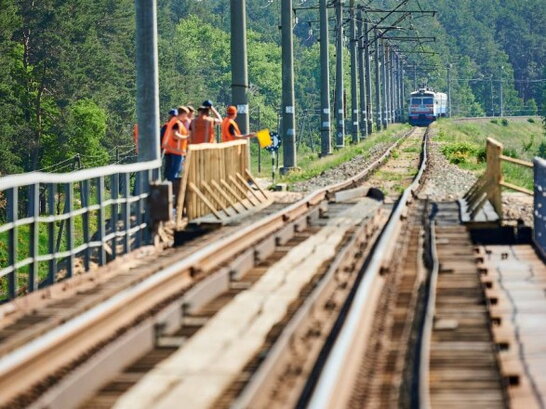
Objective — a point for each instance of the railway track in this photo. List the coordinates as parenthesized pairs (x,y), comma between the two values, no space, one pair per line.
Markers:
(338,300)
(419,331)
(141,316)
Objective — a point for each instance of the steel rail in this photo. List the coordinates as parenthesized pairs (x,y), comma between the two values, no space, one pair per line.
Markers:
(424,361)
(332,380)
(58,348)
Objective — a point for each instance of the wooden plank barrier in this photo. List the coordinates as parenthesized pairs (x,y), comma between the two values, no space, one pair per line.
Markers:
(488,187)
(216,184)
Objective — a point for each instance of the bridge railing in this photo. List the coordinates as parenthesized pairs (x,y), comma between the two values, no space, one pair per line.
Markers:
(489,186)
(53,226)
(540,205)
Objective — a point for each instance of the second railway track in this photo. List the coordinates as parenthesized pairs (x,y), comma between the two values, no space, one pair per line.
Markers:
(418,334)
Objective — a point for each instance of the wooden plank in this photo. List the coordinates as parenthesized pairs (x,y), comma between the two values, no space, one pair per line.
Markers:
(517,188)
(191,201)
(228,199)
(493,152)
(181,199)
(242,190)
(240,178)
(224,145)
(205,200)
(216,198)
(351,194)
(203,167)
(210,219)
(517,161)
(234,194)
(249,175)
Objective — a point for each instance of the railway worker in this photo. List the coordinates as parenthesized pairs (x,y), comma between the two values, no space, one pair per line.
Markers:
(172,113)
(202,127)
(175,144)
(191,113)
(230,129)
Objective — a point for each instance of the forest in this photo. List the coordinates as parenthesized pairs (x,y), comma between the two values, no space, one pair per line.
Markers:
(67,82)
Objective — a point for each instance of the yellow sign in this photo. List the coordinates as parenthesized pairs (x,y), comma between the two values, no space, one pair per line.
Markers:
(264,138)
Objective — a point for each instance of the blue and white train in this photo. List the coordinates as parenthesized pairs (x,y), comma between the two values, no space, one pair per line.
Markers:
(426,106)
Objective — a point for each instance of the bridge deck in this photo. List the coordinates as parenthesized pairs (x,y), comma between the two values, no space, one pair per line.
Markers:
(517,281)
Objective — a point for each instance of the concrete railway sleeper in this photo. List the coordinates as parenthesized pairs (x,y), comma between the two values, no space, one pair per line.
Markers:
(74,349)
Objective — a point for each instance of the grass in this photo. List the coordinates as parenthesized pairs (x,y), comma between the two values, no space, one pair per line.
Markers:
(310,165)
(400,169)
(463,143)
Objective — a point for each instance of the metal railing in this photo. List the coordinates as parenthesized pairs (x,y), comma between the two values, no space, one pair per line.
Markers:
(53,226)
(540,205)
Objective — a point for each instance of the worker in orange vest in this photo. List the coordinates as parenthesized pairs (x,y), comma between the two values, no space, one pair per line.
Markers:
(175,144)
(230,129)
(172,113)
(202,127)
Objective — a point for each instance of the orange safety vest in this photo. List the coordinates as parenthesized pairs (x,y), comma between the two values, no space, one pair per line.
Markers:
(202,130)
(227,136)
(170,143)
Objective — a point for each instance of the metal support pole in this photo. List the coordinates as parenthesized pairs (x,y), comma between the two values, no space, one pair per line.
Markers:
(362,79)
(415,77)
(368,79)
(396,80)
(385,81)
(401,89)
(449,89)
(355,132)
(393,88)
(501,94)
(288,109)
(239,64)
(147,80)
(390,105)
(403,96)
(491,92)
(340,106)
(378,108)
(325,135)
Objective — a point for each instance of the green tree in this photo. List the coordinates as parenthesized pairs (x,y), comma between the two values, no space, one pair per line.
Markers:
(83,132)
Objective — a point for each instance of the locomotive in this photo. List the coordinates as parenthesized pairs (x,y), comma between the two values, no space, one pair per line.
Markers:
(426,106)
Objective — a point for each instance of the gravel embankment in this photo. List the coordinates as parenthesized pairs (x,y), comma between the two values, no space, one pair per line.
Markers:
(447,182)
(517,207)
(443,180)
(342,172)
